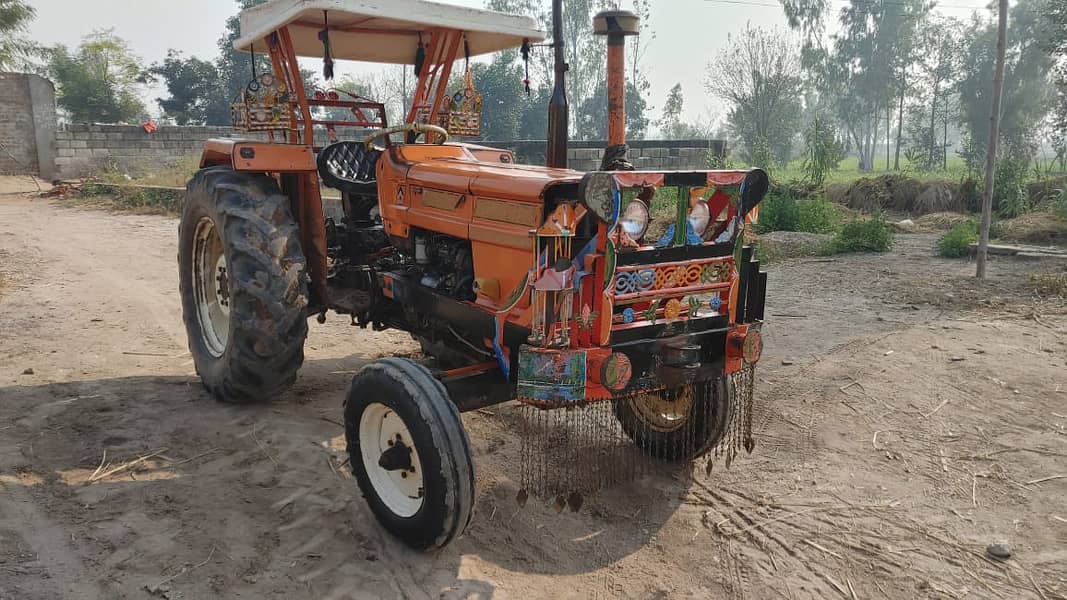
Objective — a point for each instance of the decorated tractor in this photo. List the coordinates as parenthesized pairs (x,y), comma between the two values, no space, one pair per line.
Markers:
(541,285)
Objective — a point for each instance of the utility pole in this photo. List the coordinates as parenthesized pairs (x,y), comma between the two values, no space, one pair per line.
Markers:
(991,148)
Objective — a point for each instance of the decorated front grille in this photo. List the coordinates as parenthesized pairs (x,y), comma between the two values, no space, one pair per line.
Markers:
(671,290)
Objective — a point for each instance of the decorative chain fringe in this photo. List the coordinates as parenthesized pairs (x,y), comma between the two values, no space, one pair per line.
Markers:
(573,452)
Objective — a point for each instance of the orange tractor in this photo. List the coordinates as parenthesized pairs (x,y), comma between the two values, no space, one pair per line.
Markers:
(528,283)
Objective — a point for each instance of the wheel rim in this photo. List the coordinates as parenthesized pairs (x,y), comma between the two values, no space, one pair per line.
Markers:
(662,413)
(211,286)
(383,442)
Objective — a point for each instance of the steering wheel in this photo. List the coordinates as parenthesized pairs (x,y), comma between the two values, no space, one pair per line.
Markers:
(442,134)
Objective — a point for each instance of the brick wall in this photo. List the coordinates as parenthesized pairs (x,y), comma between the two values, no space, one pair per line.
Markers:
(27,124)
(666,155)
(82,149)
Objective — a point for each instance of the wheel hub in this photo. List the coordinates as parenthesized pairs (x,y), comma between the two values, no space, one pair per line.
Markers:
(391,460)
(664,411)
(211,283)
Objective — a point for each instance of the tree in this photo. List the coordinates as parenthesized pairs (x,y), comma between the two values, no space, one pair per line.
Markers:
(194,90)
(16,50)
(757,74)
(593,113)
(671,120)
(823,150)
(991,153)
(1056,11)
(98,82)
(933,101)
(500,83)
(234,67)
(586,59)
(1027,83)
(866,65)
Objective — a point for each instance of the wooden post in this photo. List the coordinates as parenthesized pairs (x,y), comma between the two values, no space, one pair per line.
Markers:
(991,148)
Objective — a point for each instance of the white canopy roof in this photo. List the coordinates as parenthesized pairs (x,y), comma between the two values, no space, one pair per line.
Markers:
(383,31)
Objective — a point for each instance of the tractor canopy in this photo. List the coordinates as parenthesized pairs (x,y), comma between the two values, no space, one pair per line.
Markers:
(378,30)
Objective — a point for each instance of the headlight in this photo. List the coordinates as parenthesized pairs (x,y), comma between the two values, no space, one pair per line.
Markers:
(699,217)
(635,220)
(601,196)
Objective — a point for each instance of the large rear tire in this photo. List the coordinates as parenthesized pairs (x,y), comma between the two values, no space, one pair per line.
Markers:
(242,283)
(678,425)
(409,453)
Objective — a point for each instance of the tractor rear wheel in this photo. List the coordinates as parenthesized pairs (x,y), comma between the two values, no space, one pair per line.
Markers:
(242,283)
(409,453)
(677,425)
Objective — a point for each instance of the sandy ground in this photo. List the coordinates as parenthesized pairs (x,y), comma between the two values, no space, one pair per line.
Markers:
(907,418)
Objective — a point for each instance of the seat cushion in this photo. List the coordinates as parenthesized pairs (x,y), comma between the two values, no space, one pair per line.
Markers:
(349,167)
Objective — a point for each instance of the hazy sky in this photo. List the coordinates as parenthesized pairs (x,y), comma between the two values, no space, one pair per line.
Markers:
(688,33)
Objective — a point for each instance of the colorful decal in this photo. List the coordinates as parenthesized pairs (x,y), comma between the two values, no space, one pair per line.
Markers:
(715,303)
(650,313)
(673,310)
(586,317)
(615,372)
(551,375)
(694,306)
(609,265)
(628,315)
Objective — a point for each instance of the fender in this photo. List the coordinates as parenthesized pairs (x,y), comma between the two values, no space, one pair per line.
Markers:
(294,167)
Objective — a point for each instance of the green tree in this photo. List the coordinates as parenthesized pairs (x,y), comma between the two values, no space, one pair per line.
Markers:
(934,100)
(1027,83)
(100,81)
(757,74)
(503,97)
(1056,10)
(194,90)
(16,50)
(593,113)
(823,150)
(234,67)
(671,120)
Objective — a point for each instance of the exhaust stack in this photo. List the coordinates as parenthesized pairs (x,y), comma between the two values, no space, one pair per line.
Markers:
(617,25)
(556,153)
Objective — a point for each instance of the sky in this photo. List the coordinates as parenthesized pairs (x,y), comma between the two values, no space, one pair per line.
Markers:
(687,34)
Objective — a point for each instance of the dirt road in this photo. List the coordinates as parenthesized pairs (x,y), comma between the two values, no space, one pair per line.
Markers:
(908,418)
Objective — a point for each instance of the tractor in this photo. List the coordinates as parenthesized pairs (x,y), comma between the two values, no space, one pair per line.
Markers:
(535,284)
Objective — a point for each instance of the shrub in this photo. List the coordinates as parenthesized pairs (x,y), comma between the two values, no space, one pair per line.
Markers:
(956,242)
(778,212)
(817,215)
(870,235)
(1010,198)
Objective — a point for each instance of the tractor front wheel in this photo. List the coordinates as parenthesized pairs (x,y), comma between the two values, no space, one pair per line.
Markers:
(681,424)
(242,283)
(409,453)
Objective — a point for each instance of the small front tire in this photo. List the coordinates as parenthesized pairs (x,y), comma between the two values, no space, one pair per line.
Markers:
(409,453)
(678,425)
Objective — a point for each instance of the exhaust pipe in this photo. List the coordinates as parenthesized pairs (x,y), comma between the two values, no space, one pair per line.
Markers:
(558,118)
(617,25)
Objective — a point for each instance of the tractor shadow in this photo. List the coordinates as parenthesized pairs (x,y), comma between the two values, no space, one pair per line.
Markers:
(267,486)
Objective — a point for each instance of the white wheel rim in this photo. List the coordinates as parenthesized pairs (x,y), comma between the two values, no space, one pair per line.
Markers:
(400,490)
(211,286)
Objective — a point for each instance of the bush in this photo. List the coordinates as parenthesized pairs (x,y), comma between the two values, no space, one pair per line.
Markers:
(956,242)
(871,235)
(1010,198)
(817,215)
(778,212)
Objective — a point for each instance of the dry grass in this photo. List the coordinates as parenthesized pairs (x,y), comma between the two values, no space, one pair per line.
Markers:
(1044,228)
(941,221)
(897,194)
(1049,284)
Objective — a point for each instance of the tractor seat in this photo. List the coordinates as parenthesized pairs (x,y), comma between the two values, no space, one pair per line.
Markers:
(349,167)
